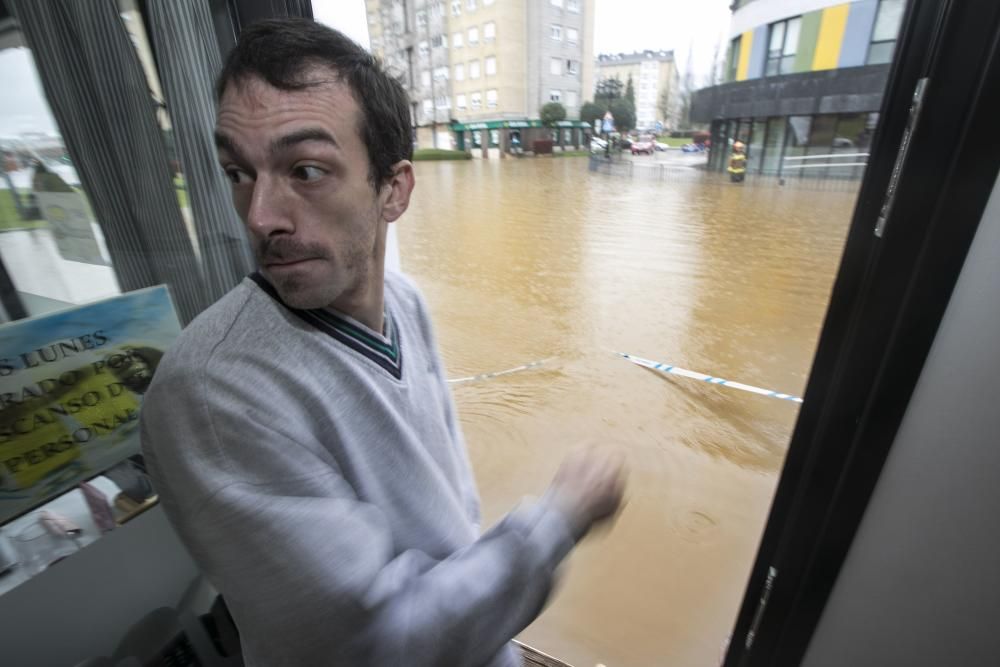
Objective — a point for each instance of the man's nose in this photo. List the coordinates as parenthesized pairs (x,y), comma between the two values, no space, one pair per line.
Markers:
(268,213)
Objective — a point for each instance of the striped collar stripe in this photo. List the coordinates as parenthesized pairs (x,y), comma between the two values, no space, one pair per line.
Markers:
(388,355)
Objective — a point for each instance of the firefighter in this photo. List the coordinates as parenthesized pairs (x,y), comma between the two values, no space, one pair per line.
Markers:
(738,163)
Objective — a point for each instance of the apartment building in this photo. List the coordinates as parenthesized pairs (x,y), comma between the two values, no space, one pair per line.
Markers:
(653,74)
(484,64)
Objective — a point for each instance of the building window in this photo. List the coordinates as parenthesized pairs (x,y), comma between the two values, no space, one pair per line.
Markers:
(491,99)
(440,73)
(887,21)
(572,36)
(555,66)
(555,96)
(456,7)
(474,69)
(573,5)
(571,98)
(437,9)
(573,67)
(473,36)
(422,19)
(438,41)
(460,102)
(477,100)
(460,72)
(424,48)
(456,40)
(428,107)
(489,31)
(555,32)
(491,66)
(470,5)
(781,46)
(732,67)
(443,102)
(425,77)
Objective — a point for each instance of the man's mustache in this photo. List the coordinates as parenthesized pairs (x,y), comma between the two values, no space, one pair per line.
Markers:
(283,250)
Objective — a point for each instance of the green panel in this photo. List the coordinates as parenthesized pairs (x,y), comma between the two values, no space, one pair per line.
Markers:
(808,36)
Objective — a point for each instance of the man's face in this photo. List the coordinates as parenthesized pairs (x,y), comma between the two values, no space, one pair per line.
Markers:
(299,173)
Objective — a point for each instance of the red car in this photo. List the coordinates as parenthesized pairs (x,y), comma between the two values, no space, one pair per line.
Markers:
(642,147)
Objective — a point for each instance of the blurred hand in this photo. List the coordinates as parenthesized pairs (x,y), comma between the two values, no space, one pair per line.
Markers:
(588,488)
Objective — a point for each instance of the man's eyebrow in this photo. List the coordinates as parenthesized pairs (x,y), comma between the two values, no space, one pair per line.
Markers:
(300,136)
(224,143)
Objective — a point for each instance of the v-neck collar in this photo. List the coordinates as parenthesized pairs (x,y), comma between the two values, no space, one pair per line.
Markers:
(384,350)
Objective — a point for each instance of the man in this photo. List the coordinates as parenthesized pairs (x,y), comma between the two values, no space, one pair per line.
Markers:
(301,432)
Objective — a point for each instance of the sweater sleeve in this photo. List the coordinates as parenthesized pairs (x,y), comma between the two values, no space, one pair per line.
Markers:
(311,572)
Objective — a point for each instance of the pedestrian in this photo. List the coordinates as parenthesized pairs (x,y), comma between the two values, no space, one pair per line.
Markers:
(301,433)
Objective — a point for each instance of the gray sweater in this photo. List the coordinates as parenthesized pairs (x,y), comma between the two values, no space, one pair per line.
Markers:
(316,471)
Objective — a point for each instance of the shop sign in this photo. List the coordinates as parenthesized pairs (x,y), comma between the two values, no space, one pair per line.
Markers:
(71,386)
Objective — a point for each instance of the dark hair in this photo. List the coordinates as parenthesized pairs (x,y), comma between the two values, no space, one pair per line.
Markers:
(281,51)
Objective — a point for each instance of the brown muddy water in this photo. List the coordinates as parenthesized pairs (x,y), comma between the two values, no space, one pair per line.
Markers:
(524,260)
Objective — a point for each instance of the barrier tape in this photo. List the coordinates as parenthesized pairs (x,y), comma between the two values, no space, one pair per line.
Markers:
(694,375)
(490,376)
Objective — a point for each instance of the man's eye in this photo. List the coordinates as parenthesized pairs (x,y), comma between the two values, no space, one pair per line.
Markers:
(238,176)
(307,173)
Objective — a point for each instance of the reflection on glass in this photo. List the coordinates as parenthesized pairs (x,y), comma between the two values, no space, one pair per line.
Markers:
(38,547)
(755,148)
(773,145)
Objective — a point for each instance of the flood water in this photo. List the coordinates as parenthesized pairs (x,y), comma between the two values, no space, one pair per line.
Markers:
(524,260)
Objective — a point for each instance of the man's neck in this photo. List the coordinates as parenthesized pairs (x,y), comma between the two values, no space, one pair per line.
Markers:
(366,304)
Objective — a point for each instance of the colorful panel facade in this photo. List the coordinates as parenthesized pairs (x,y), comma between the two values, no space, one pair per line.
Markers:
(834,37)
(758,54)
(831,37)
(857,33)
(808,35)
(746,42)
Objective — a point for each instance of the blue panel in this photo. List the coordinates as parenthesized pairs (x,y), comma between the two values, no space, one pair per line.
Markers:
(758,53)
(858,33)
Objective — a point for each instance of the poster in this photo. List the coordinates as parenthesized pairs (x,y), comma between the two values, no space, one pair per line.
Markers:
(69,220)
(71,385)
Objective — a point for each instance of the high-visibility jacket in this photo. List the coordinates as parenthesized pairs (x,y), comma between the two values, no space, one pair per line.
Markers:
(738,163)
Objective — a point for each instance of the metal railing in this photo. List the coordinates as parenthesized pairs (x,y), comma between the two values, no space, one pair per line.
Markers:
(859,160)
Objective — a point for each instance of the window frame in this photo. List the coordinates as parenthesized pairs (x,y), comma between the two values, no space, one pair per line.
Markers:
(782,56)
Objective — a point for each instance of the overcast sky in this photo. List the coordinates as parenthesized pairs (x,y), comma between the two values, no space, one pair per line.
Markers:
(620,26)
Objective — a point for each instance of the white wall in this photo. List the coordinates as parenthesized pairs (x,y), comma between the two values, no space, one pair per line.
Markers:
(82,606)
(921,583)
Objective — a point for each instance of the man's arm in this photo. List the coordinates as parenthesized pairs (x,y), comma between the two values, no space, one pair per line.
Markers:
(307,565)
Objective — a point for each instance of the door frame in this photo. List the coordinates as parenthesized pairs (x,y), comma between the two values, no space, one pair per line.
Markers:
(888,300)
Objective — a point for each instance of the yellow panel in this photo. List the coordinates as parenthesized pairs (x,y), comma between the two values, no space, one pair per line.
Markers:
(746,41)
(831,37)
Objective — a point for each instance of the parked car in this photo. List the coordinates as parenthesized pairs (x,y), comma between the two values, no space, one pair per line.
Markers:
(597,144)
(693,148)
(642,147)
(660,146)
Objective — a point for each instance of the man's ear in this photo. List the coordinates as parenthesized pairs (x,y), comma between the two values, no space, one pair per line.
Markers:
(396,191)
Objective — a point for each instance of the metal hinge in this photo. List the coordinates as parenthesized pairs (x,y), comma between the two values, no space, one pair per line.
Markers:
(904,148)
(765,595)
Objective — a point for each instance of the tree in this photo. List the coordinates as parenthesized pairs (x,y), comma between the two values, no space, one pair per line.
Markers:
(624,113)
(663,105)
(590,112)
(552,113)
(607,90)
(630,91)
(687,87)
